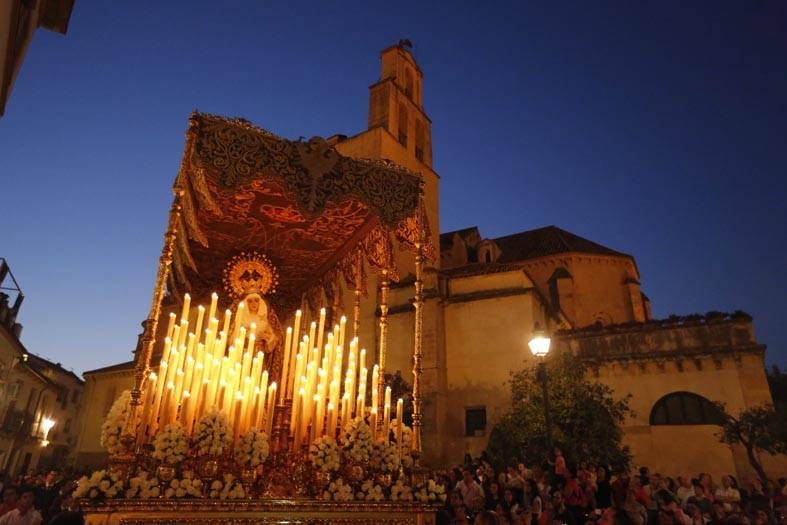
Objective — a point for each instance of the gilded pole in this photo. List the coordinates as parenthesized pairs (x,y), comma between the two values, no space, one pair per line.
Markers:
(418,303)
(357,295)
(385,285)
(148,339)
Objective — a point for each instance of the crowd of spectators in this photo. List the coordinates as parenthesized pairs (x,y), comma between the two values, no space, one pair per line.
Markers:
(39,499)
(556,493)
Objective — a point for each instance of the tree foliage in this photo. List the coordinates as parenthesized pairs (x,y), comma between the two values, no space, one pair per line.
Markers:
(586,418)
(756,429)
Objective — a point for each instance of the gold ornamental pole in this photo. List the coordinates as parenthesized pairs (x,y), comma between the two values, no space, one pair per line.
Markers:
(384,287)
(357,295)
(148,339)
(418,304)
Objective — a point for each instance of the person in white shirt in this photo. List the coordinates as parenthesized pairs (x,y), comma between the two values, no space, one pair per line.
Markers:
(727,494)
(472,493)
(685,490)
(24,513)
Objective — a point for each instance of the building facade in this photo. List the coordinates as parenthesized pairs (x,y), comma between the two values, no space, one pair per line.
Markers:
(485,296)
(40,401)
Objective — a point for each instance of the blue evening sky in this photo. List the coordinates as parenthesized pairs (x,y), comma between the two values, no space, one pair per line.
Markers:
(657,129)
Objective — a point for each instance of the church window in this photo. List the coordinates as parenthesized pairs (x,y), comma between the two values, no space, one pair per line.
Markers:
(475,421)
(488,256)
(419,140)
(685,408)
(402,125)
(408,84)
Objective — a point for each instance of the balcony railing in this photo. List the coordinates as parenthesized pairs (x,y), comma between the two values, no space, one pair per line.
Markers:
(17,422)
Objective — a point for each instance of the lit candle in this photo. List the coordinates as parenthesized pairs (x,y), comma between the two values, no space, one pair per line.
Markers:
(227,318)
(321,328)
(342,327)
(171,324)
(238,414)
(263,392)
(400,420)
(373,423)
(248,390)
(214,300)
(269,410)
(200,319)
(375,380)
(345,408)
(299,419)
(387,413)
(186,305)
(312,331)
(286,363)
(331,430)
(150,395)
(184,409)
(362,361)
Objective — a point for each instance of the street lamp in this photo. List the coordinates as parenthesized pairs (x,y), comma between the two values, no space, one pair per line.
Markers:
(539,346)
(46,426)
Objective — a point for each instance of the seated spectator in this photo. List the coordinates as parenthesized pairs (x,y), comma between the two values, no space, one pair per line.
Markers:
(24,513)
(727,495)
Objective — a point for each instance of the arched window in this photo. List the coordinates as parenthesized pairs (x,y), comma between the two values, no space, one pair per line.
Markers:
(685,408)
(408,84)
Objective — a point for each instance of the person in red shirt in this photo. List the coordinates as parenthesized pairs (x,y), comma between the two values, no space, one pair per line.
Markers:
(575,497)
(9,499)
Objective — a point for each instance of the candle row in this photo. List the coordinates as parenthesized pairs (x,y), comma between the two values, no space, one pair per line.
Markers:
(202,369)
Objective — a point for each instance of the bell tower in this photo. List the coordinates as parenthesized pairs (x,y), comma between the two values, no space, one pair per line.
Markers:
(398,128)
(396,103)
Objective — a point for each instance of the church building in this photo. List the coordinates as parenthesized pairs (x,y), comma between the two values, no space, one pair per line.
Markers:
(484,299)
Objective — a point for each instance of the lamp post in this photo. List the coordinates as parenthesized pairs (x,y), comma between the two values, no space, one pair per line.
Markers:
(46,426)
(539,347)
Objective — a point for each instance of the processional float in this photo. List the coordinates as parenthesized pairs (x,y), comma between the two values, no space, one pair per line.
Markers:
(231,414)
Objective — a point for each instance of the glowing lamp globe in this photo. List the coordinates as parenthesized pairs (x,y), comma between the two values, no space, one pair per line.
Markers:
(539,344)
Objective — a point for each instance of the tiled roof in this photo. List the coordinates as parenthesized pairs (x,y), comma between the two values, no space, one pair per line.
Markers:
(40,365)
(128,365)
(447,238)
(549,240)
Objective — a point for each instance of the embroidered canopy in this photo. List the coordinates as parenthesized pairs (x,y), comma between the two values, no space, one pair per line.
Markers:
(313,213)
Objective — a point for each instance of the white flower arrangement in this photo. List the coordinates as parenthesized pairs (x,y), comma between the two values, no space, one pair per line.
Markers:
(213,435)
(100,484)
(430,492)
(385,456)
(406,446)
(114,423)
(356,440)
(170,445)
(142,486)
(252,449)
(401,491)
(184,488)
(324,453)
(371,491)
(338,491)
(230,488)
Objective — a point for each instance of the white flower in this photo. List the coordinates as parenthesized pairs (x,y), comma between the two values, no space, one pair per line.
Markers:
(170,444)
(324,454)
(338,491)
(384,456)
(401,492)
(252,449)
(370,491)
(100,484)
(114,423)
(356,440)
(430,492)
(213,434)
